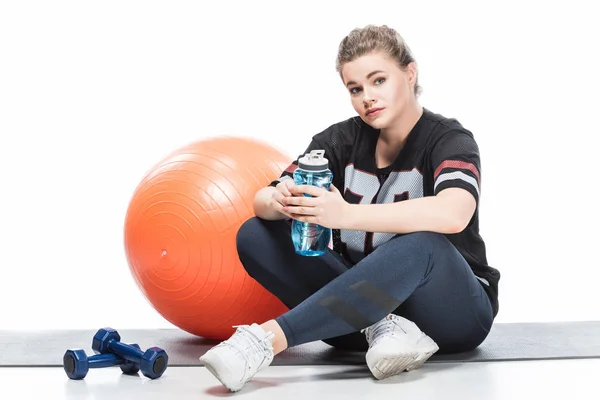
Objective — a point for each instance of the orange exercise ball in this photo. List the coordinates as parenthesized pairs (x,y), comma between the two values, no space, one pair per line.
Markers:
(180,232)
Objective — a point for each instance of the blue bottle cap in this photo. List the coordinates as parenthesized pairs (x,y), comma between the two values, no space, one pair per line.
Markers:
(314,161)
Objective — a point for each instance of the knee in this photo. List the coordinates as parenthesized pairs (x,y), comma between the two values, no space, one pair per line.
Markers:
(257,236)
(430,240)
(426,237)
(246,241)
(248,235)
(418,245)
(421,242)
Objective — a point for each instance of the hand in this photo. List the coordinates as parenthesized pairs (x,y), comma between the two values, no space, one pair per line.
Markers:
(276,202)
(326,208)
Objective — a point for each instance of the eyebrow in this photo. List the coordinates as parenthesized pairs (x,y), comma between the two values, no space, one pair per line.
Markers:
(368,76)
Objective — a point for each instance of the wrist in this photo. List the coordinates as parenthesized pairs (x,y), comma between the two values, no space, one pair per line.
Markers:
(351,216)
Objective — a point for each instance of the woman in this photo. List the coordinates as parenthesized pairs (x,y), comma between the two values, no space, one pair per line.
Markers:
(407,275)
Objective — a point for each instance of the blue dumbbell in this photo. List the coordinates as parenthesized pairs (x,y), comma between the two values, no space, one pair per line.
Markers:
(153,362)
(77,363)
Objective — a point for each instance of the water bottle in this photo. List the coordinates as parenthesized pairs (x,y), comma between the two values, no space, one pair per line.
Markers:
(312,239)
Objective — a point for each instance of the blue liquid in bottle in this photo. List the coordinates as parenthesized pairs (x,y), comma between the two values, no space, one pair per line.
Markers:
(312,239)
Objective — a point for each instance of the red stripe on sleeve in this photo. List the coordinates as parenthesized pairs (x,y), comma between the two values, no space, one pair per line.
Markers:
(291,168)
(456,164)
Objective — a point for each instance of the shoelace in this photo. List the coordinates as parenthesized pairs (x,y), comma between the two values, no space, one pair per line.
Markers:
(249,345)
(382,327)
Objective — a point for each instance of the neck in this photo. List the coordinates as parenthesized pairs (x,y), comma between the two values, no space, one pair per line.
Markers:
(398,131)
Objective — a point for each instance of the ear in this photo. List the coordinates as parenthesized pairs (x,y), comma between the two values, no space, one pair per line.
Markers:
(413,72)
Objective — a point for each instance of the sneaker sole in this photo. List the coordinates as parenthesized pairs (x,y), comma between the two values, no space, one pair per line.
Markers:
(210,368)
(390,366)
(394,365)
(426,348)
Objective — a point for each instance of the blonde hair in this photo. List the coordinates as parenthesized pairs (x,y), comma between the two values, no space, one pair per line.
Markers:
(361,41)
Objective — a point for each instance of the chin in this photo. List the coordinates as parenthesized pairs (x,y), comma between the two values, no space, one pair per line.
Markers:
(377,123)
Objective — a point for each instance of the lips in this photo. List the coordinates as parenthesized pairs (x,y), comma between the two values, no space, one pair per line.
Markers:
(374,111)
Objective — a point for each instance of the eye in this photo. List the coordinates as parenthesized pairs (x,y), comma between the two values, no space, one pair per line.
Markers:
(354,90)
(379,81)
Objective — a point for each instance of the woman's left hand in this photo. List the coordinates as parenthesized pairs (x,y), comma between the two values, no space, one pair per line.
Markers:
(326,208)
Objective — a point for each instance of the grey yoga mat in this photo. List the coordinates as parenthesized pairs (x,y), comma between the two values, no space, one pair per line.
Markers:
(507,341)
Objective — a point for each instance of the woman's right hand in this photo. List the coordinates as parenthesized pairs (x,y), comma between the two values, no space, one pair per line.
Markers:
(282,191)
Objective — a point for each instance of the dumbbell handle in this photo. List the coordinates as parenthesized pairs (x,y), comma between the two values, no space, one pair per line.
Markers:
(104,360)
(126,351)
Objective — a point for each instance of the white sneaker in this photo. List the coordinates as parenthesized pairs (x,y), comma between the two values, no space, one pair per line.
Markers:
(396,345)
(236,360)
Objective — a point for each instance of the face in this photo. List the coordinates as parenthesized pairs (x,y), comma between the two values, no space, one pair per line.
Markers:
(379,89)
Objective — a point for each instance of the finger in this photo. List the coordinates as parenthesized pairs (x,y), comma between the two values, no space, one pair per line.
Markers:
(281,203)
(308,189)
(306,218)
(278,197)
(278,201)
(283,188)
(284,191)
(295,192)
(281,209)
(289,185)
(300,201)
(300,210)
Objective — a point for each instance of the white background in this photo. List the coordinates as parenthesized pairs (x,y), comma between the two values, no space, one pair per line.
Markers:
(92,94)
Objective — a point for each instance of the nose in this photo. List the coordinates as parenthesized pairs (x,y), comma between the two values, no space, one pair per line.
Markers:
(368,97)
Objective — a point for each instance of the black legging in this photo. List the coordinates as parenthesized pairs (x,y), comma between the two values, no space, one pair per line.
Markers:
(419,276)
